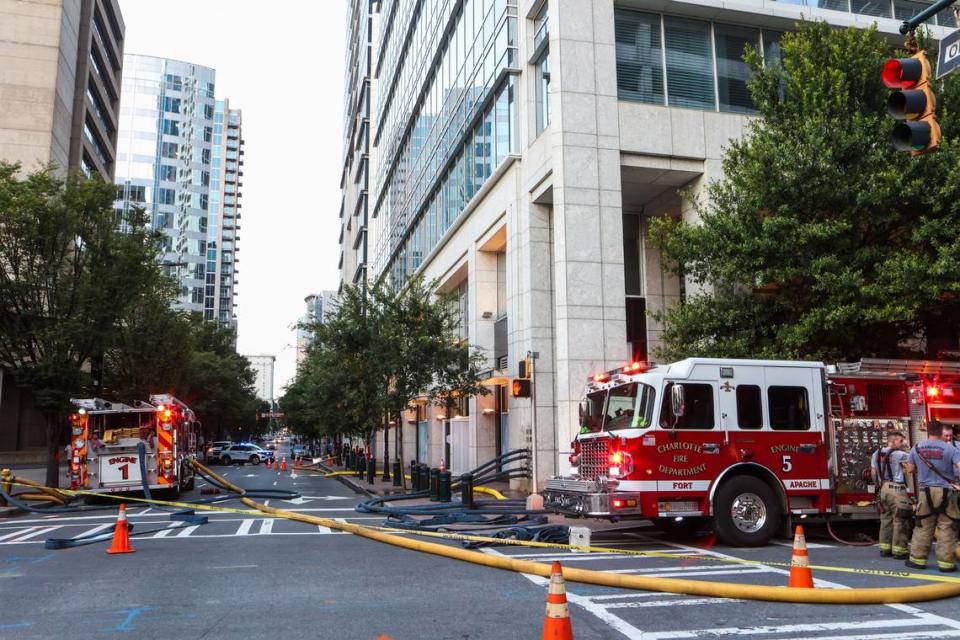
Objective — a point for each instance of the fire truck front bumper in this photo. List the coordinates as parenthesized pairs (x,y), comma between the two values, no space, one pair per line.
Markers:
(589,499)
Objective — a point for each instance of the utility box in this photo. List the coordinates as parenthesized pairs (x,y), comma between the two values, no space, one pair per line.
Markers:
(580,537)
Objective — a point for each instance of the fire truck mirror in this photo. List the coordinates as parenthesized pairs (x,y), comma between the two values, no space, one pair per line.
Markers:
(584,412)
(677,404)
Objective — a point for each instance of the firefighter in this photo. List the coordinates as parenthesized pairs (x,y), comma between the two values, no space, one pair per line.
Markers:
(886,469)
(936,463)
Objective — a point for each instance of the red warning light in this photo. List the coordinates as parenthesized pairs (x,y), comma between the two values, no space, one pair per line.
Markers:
(601,377)
(933,391)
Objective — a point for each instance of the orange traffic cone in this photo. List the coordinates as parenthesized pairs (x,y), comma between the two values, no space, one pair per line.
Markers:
(283,463)
(269,463)
(121,534)
(800,574)
(556,622)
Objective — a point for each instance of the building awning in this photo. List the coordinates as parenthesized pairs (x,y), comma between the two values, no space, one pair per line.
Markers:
(496,381)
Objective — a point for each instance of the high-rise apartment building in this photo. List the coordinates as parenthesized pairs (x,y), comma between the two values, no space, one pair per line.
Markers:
(179,157)
(262,365)
(60,68)
(517,150)
(224,215)
(318,307)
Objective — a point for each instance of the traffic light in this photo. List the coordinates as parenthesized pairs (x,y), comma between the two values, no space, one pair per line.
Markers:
(913,104)
(524,368)
(520,388)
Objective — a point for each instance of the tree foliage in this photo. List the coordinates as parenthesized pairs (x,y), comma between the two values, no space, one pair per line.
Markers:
(821,240)
(65,277)
(382,348)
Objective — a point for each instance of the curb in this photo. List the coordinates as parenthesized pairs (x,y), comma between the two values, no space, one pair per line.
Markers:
(348,482)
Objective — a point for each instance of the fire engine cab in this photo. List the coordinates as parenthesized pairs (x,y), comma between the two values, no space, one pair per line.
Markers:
(105,439)
(746,444)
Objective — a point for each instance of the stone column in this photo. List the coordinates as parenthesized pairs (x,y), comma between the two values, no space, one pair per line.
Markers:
(589,310)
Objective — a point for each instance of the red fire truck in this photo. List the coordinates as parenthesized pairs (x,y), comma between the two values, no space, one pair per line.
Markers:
(105,437)
(747,444)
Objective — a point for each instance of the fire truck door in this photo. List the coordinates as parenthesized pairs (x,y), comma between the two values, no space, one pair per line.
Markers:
(795,447)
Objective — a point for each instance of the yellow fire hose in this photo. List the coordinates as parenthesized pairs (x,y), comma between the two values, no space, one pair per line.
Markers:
(876,595)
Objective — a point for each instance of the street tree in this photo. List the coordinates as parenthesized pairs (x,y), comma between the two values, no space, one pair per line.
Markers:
(383,347)
(820,240)
(66,274)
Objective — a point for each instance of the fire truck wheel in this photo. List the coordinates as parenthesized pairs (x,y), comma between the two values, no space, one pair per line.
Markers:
(747,513)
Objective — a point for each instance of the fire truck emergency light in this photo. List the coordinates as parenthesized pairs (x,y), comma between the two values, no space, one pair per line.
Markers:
(933,391)
(635,367)
(601,377)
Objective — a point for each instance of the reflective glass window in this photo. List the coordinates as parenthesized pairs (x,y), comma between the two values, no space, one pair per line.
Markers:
(639,57)
(732,72)
(689,63)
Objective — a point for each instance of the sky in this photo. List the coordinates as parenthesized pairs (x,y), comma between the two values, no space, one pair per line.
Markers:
(281,62)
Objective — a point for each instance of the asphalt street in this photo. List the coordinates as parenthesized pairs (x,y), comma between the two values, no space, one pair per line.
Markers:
(247,575)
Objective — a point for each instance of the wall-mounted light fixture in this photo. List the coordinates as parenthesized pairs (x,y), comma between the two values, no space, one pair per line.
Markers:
(489,411)
(487,315)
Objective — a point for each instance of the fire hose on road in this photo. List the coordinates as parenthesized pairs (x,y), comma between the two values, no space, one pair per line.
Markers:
(876,595)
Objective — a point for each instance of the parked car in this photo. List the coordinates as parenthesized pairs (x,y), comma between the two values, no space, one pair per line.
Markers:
(244,453)
(301,451)
(271,446)
(215,448)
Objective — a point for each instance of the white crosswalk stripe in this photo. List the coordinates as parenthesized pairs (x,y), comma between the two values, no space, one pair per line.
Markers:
(613,609)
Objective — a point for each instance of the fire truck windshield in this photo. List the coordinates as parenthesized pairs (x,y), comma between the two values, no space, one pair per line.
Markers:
(628,406)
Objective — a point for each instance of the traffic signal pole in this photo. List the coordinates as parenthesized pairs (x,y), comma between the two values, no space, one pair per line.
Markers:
(923,16)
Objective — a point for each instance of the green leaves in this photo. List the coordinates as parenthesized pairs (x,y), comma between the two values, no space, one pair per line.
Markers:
(382,348)
(821,241)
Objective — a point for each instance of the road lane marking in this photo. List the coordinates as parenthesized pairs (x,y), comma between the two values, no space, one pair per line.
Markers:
(186,532)
(32,532)
(16,533)
(167,531)
(99,527)
(787,628)
(266,527)
(237,566)
(668,603)
(245,526)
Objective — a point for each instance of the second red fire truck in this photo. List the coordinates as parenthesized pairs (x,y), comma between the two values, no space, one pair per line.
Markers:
(746,444)
(106,437)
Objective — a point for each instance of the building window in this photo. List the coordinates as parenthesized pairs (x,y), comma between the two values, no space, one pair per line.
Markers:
(543,90)
(166,196)
(541,64)
(169,150)
(639,57)
(168,173)
(208,111)
(172,82)
(878,8)
(171,127)
(689,63)
(205,156)
(732,72)
(171,105)
(207,134)
(197,295)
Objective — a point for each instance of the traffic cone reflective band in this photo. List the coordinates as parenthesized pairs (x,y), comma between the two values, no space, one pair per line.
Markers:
(800,574)
(121,534)
(556,622)
(283,463)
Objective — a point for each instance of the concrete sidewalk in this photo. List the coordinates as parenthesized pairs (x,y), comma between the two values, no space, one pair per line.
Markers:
(34,473)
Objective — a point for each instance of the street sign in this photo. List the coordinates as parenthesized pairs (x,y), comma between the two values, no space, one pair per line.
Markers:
(949,54)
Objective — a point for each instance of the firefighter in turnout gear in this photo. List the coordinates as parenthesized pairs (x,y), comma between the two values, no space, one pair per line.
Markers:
(886,469)
(937,463)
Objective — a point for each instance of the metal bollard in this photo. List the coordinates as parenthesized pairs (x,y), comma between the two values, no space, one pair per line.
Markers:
(371,470)
(417,475)
(434,485)
(397,474)
(413,475)
(443,486)
(386,470)
(360,466)
(466,490)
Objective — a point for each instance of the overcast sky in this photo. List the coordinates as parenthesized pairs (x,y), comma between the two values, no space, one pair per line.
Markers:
(281,62)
